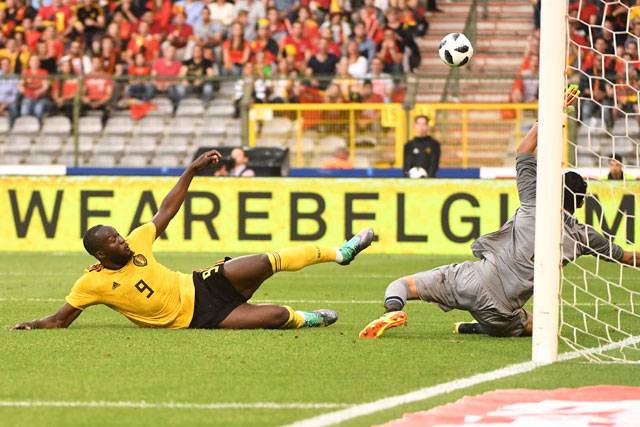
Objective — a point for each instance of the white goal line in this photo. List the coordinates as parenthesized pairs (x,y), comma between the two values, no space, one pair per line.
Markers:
(164,405)
(356,411)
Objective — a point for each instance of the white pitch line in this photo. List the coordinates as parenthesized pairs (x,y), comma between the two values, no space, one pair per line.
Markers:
(164,405)
(360,410)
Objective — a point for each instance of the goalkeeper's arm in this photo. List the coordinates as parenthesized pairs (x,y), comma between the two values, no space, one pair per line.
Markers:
(631,258)
(530,142)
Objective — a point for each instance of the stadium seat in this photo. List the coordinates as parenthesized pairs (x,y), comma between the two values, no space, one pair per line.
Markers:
(176,145)
(221,110)
(11,159)
(212,128)
(233,128)
(90,125)
(40,159)
(85,145)
(277,126)
(48,144)
(26,125)
(104,160)
(163,107)
(150,126)
(57,125)
(184,126)
(187,110)
(329,144)
(209,141)
(167,160)
(119,126)
(18,144)
(143,144)
(190,101)
(361,162)
(109,144)
(134,160)
(271,142)
(4,125)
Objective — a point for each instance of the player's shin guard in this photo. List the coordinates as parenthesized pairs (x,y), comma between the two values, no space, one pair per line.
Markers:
(296,319)
(296,258)
(396,295)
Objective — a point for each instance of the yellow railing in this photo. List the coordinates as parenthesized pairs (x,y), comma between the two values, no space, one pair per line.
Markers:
(470,134)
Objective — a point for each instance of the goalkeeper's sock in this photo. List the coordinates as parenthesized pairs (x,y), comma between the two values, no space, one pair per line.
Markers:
(296,258)
(395,297)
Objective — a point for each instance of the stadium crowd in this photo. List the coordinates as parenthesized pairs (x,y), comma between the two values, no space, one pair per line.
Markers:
(603,58)
(132,50)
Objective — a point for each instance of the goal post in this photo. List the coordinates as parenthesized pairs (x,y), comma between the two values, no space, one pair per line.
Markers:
(548,231)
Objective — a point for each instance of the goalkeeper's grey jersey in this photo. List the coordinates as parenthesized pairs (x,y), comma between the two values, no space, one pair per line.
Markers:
(511,248)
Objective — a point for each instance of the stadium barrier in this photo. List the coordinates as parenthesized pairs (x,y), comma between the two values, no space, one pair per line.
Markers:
(253,215)
(157,133)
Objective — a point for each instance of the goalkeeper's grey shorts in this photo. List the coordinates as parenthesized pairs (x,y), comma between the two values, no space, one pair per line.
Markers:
(459,286)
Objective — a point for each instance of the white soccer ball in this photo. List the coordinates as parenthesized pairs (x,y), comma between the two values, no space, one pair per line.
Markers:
(417,172)
(455,50)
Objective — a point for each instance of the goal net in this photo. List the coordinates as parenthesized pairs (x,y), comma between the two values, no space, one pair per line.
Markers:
(600,299)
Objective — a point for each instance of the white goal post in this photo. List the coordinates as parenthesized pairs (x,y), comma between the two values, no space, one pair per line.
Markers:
(546,299)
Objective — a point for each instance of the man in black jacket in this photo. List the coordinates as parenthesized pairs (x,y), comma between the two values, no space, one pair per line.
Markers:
(422,153)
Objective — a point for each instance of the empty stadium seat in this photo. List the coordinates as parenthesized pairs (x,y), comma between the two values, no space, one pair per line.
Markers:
(4,125)
(119,126)
(221,110)
(26,125)
(175,145)
(109,144)
(163,107)
(48,144)
(103,160)
(150,126)
(40,159)
(85,145)
(134,160)
(331,143)
(276,126)
(57,125)
(212,127)
(144,144)
(11,159)
(167,160)
(195,110)
(18,144)
(184,126)
(90,125)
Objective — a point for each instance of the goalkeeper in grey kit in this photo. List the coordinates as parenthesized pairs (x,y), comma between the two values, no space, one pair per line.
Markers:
(495,288)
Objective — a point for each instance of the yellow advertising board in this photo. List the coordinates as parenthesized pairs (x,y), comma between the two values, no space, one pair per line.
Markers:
(255,215)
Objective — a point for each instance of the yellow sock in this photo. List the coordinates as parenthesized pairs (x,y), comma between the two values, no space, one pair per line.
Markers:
(293,259)
(296,319)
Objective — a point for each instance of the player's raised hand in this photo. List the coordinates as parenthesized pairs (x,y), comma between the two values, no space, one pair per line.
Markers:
(571,95)
(211,157)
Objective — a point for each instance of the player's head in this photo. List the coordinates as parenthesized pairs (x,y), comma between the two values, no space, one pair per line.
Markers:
(106,244)
(421,124)
(575,188)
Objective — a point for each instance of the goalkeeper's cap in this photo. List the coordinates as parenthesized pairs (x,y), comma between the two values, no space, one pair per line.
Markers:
(575,188)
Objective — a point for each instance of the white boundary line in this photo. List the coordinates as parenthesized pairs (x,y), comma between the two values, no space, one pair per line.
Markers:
(163,405)
(355,411)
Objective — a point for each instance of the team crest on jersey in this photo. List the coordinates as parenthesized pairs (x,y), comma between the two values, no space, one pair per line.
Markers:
(139,260)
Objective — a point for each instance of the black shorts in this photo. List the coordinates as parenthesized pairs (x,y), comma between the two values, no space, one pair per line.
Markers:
(215,297)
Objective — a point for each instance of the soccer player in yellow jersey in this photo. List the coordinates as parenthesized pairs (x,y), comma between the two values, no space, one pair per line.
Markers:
(129,280)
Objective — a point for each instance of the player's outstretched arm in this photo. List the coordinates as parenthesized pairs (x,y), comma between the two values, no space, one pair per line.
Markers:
(61,319)
(530,142)
(172,202)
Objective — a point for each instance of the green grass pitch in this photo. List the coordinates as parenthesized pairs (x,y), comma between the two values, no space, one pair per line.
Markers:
(104,357)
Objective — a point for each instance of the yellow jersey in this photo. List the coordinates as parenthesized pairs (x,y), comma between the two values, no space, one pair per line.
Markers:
(144,291)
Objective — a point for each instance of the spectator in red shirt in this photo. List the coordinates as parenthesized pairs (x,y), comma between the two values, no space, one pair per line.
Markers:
(98,88)
(295,45)
(64,88)
(235,51)
(34,88)
(139,88)
(180,35)
(143,41)
(168,66)
(390,52)
(54,44)
(60,15)
(276,27)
